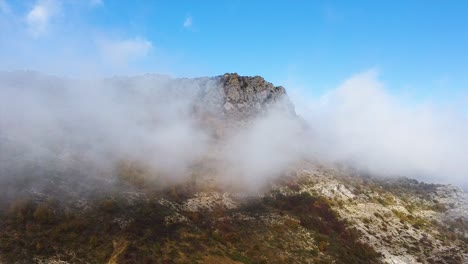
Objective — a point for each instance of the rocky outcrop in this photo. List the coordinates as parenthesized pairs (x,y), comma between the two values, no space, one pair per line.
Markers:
(246,96)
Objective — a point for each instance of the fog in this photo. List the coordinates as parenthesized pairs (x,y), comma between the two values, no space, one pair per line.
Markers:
(361,123)
(90,125)
(86,128)
(266,148)
(94,124)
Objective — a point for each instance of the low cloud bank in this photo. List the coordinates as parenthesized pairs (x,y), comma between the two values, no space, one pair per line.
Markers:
(92,125)
(96,124)
(362,124)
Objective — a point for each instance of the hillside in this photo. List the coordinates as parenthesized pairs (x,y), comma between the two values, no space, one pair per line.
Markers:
(220,205)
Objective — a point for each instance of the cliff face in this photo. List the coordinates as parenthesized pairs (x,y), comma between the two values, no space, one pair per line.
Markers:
(247,95)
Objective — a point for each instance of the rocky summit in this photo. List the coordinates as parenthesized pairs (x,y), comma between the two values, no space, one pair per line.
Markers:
(60,211)
(247,95)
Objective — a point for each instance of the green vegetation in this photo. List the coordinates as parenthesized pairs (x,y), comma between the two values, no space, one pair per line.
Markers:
(416,222)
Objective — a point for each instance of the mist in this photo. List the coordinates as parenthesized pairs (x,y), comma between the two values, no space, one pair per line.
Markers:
(265,149)
(89,126)
(94,124)
(85,128)
(362,124)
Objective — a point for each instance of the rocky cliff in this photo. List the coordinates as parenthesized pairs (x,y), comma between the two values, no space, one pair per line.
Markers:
(247,95)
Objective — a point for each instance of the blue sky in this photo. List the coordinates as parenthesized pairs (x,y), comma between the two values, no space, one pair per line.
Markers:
(418,47)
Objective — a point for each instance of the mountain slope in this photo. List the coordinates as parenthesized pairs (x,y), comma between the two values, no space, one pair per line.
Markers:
(66,209)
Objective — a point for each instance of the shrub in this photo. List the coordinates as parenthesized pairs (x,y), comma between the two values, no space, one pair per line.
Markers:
(43,214)
(316,214)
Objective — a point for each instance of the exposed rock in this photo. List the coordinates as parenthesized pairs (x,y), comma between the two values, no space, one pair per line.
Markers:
(209,201)
(246,96)
(175,218)
(454,199)
(333,189)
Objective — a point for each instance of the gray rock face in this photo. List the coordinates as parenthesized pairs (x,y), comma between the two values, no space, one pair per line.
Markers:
(455,200)
(246,96)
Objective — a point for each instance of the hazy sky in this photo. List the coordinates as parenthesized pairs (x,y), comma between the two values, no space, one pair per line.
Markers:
(419,47)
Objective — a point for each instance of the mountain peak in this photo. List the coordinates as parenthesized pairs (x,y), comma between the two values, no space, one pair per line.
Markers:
(244,95)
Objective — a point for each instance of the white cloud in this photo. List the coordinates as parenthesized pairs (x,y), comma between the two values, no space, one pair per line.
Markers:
(121,52)
(38,18)
(188,22)
(363,123)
